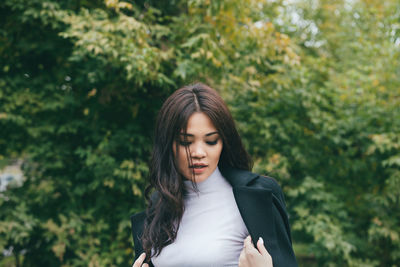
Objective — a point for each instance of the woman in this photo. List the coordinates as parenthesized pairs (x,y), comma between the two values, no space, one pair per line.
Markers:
(207,208)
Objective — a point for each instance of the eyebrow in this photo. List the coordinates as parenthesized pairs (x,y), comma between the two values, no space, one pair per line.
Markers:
(191,135)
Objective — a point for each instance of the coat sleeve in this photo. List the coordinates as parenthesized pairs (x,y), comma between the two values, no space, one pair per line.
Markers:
(281,224)
(279,202)
(137,221)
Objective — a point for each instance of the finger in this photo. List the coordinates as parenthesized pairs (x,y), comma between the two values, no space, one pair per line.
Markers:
(242,257)
(140,260)
(247,242)
(248,245)
(261,247)
(242,253)
(145,265)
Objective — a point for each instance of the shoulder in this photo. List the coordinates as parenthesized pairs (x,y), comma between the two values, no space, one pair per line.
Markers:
(137,223)
(266,182)
(244,178)
(138,217)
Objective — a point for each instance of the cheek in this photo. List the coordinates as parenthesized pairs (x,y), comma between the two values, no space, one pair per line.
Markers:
(181,158)
(218,152)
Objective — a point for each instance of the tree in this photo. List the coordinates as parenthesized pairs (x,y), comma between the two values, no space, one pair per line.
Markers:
(81,83)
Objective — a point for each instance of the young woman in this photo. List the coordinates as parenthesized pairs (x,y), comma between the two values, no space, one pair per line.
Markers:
(207,208)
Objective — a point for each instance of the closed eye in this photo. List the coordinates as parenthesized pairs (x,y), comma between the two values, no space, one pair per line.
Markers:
(184,143)
(212,143)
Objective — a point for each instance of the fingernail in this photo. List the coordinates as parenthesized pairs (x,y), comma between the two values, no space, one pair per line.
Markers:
(262,240)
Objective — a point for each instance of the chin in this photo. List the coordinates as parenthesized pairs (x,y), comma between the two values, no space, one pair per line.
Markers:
(202,177)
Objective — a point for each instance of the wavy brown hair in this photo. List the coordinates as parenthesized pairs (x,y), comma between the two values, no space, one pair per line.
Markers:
(165,206)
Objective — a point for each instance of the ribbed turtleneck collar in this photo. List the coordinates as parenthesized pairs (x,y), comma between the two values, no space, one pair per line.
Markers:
(214,182)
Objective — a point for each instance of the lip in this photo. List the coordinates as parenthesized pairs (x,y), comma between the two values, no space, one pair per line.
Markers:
(198,165)
(198,168)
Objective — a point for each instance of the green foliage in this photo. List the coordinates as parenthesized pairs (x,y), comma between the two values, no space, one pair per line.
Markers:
(313,85)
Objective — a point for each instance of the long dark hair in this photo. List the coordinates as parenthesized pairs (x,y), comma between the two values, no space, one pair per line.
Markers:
(165,206)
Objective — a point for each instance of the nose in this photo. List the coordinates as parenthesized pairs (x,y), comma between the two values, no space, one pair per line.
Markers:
(197,151)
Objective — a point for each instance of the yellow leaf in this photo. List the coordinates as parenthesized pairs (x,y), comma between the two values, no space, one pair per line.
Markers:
(377,221)
(255,83)
(195,55)
(109,183)
(59,250)
(92,92)
(125,5)
(136,191)
(394,236)
(216,62)
(111,3)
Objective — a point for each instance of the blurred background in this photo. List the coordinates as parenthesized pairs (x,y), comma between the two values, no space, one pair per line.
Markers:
(313,85)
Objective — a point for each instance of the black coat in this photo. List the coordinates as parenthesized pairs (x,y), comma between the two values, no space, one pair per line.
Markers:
(261,204)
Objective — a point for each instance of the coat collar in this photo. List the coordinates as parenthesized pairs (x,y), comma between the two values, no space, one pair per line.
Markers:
(255,206)
(236,177)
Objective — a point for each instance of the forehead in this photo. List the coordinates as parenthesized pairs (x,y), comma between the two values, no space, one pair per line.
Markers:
(200,124)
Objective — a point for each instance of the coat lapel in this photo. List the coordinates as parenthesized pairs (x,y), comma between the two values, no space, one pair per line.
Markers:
(255,207)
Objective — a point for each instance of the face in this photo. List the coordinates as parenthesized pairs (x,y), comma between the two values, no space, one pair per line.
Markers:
(204,146)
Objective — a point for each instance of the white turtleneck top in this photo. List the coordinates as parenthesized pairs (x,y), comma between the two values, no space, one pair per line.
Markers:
(211,232)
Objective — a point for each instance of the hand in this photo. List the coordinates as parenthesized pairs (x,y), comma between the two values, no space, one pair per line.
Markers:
(252,257)
(139,261)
